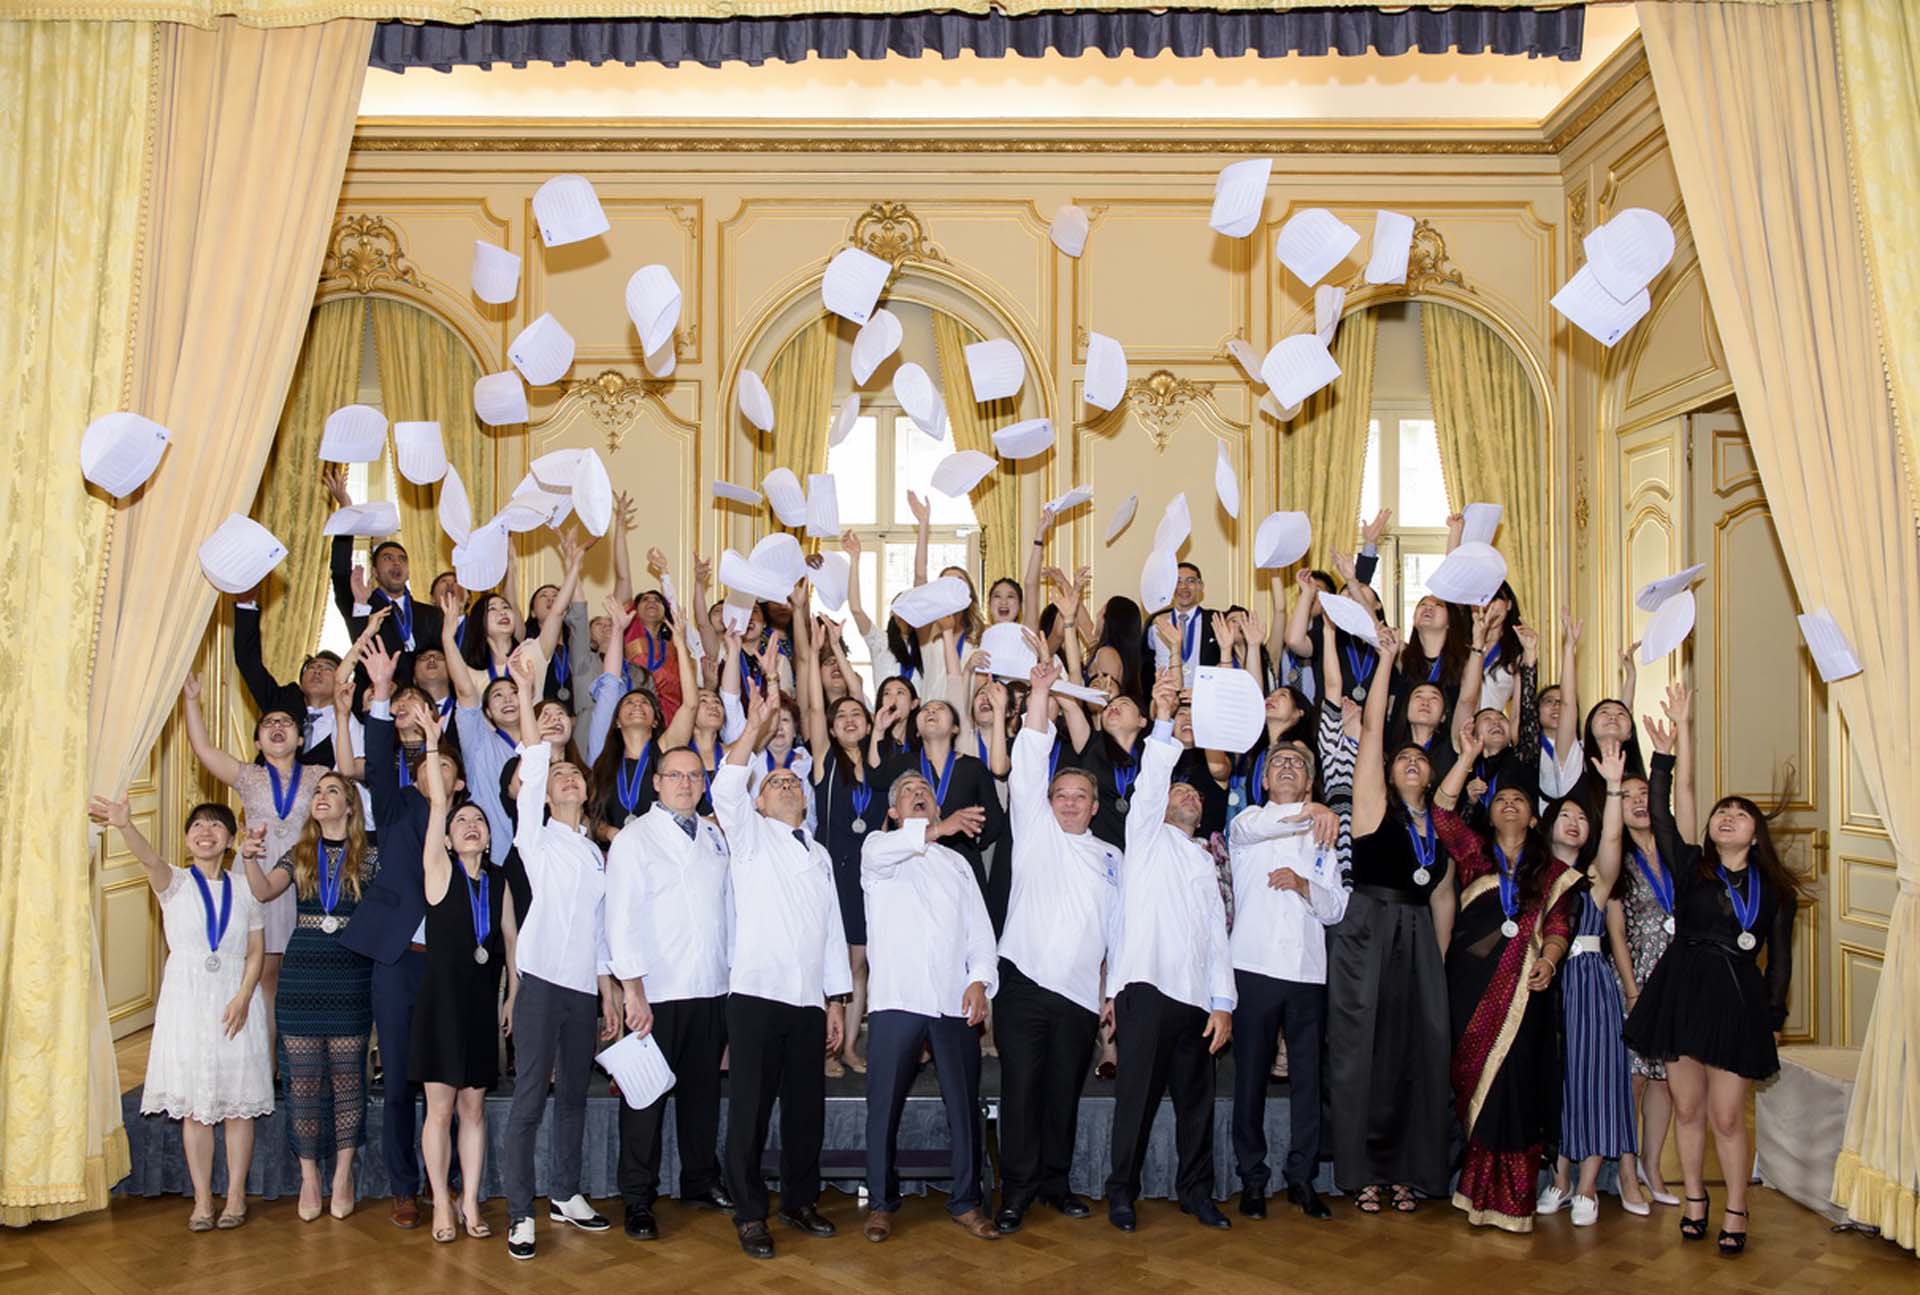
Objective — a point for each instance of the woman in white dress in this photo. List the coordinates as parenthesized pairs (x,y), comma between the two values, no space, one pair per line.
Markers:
(209,1063)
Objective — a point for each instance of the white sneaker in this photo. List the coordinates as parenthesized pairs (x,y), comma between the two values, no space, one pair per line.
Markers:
(1552,1200)
(1586,1211)
(520,1239)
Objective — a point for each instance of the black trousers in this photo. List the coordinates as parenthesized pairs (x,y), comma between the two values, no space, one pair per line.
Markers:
(778,1050)
(1162,1051)
(1267,1006)
(893,1057)
(1046,1049)
(692,1033)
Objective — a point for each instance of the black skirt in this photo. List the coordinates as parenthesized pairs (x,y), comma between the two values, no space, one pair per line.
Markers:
(1708,1002)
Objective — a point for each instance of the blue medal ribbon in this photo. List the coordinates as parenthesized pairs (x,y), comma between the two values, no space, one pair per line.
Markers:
(1487,661)
(1659,880)
(981,739)
(403,618)
(493,671)
(284,798)
(946,776)
(1257,779)
(1546,744)
(406,774)
(627,786)
(862,797)
(446,707)
(332,873)
(479,904)
(216,929)
(787,763)
(656,650)
(501,733)
(1493,782)
(1361,663)
(1188,637)
(1433,671)
(1745,897)
(562,667)
(1509,886)
(1425,848)
(1125,775)
(1053,759)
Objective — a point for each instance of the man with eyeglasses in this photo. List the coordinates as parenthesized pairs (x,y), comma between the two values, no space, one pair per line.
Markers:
(1173,992)
(1188,623)
(1286,892)
(669,920)
(789,980)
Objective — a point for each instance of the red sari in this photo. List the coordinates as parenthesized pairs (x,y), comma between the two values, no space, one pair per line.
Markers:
(656,653)
(1505,1072)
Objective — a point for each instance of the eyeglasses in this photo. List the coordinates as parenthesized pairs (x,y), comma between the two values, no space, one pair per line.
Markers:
(1185,581)
(782,781)
(1287,760)
(679,775)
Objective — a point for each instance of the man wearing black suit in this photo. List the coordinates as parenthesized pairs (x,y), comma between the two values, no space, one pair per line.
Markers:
(1192,627)
(389,927)
(413,624)
(311,698)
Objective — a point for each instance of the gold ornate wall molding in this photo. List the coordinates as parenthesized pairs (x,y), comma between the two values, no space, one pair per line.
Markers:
(1429,267)
(1160,402)
(615,400)
(892,232)
(363,254)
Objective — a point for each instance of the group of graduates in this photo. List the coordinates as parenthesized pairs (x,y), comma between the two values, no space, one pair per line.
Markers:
(1465,921)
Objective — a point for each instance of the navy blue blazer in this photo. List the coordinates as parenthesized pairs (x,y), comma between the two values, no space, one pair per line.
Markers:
(395,901)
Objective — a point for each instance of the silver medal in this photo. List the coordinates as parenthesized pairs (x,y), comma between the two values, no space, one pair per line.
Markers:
(329,923)
(859,827)
(1667,925)
(1421,876)
(213,962)
(480,954)
(1509,928)
(1747,942)
(1359,692)
(1233,798)
(1121,804)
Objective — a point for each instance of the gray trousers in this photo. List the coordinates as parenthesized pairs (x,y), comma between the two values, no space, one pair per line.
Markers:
(554,1031)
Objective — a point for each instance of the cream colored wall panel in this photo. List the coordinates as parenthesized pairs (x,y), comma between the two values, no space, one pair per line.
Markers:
(1157,279)
(420,249)
(1867,889)
(768,249)
(1004,244)
(584,285)
(1859,980)
(1764,714)
(128,956)
(1857,810)
(1639,173)
(1675,363)
(1649,468)
(1806,990)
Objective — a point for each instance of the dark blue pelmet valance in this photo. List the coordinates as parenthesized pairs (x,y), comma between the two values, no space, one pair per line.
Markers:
(1535,33)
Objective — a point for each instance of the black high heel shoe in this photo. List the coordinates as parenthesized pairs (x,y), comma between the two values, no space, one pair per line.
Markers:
(1695,1229)
(1733,1243)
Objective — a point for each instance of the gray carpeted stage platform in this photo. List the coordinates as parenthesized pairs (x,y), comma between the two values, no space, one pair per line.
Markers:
(159,1168)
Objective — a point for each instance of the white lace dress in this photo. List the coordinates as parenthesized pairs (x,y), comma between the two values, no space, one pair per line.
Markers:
(194,1071)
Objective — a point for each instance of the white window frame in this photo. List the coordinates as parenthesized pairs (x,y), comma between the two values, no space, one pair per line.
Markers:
(1400,542)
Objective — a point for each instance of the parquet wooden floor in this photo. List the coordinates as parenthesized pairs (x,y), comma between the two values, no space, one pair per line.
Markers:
(142,1246)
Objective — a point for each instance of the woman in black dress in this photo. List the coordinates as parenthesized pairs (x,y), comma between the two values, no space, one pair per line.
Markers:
(1709,1010)
(1389,1041)
(848,803)
(458,1017)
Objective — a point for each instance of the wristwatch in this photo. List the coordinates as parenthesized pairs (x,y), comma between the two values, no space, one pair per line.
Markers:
(840,999)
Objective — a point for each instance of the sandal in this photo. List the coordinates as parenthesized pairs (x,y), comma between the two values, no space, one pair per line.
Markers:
(1733,1243)
(228,1220)
(1404,1201)
(1368,1201)
(1695,1229)
(476,1226)
(200,1223)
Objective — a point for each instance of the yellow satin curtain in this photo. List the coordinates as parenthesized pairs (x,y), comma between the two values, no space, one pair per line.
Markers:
(75,97)
(291,502)
(1323,451)
(427,375)
(251,142)
(996,500)
(1488,425)
(800,381)
(1880,74)
(1754,112)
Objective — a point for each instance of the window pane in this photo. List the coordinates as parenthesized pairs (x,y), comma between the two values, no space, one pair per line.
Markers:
(950,554)
(1414,570)
(916,455)
(895,577)
(1423,490)
(941,553)
(855,465)
(1370,475)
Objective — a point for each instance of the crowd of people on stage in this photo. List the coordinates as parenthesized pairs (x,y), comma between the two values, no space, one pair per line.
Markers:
(1467,919)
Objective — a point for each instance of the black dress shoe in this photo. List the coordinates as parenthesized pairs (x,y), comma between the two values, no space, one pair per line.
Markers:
(640,1224)
(1303,1195)
(1068,1204)
(1120,1214)
(809,1220)
(714,1198)
(1253,1204)
(1208,1214)
(755,1241)
(1008,1219)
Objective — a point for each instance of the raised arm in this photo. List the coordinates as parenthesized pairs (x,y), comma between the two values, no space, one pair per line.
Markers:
(1612,766)
(1526,741)
(436,865)
(467,683)
(1666,834)
(265,690)
(813,705)
(1072,600)
(1297,639)
(1027,779)
(345,758)
(118,815)
(1147,808)
(1679,711)
(850,545)
(527,665)
(349,582)
(1369,765)
(1567,732)
(1466,741)
(1629,674)
(1031,582)
(622,557)
(572,553)
(510,590)
(922,520)
(212,758)
(680,731)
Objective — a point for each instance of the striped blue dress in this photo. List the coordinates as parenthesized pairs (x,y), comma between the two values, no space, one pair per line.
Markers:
(1596,1098)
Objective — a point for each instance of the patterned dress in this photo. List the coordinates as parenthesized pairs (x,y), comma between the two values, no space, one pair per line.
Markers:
(1596,1100)
(1647,940)
(255,785)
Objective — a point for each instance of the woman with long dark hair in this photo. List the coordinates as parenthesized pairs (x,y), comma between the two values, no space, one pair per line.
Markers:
(325,1005)
(1119,648)
(1709,1010)
(1513,929)
(1387,1041)
(1437,647)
